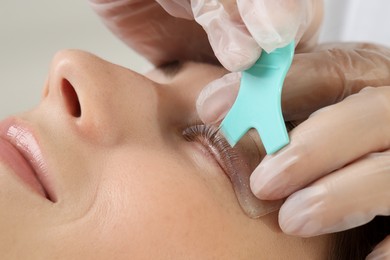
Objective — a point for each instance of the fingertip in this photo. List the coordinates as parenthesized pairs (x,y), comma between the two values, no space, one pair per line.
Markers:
(179,9)
(271,23)
(217,98)
(237,58)
(302,214)
(381,251)
(232,43)
(257,186)
(233,46)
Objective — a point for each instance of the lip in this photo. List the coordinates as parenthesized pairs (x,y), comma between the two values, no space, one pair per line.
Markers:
(20,151)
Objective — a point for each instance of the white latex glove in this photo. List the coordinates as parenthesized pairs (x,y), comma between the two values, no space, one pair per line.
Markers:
(335,173)
(341,153)
(345,149)
(148,29)
(238,30)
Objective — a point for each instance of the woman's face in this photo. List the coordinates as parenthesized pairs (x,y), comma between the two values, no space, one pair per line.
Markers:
(117,178)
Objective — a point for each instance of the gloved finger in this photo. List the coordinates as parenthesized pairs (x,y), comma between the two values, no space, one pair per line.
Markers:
(217,98)
(274,24)
(310,32)
(315,80)
(177,8)
(329,205)
(330,73)
(381,251)
(327,141)
(149,30)
(233,45)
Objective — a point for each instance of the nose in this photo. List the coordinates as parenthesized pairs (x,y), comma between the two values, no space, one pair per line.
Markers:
(62,84)
(97,97)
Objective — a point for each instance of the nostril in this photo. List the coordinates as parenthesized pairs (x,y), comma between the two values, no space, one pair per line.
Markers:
(71,99)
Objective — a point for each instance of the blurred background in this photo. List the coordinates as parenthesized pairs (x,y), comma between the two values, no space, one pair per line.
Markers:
(31,32)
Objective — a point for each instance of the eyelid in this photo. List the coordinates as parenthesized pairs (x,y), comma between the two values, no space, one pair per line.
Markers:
(234,163)
(171,69)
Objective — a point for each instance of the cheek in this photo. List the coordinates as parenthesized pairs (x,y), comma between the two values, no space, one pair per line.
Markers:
(164,205)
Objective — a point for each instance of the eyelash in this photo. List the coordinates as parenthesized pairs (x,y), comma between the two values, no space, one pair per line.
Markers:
(208,136)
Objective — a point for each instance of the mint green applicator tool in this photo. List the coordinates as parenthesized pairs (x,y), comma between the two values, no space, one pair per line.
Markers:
(258,104)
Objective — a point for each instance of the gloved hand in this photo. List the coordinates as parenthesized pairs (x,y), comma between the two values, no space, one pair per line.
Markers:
(322,77)
(238,30)
(335,171)
(161,38)
(148,29)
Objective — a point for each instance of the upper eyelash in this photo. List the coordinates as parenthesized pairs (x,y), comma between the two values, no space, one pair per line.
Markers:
(192,131)
(208,133)
(172,68)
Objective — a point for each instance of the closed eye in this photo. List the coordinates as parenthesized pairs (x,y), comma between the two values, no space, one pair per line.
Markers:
(171,69)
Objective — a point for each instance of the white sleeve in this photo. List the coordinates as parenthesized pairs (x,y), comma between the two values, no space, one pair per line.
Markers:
(356,20)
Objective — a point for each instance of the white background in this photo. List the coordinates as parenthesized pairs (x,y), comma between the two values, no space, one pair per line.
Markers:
(31,32)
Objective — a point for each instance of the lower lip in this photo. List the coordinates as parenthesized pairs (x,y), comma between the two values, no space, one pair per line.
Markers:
(11,157)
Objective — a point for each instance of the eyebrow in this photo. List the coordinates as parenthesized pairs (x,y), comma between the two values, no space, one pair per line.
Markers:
(171,69)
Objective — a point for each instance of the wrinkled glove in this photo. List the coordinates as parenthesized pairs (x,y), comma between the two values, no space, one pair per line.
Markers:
(238,30)
(335,171)
(324,76)
(148,29)
(161,38)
